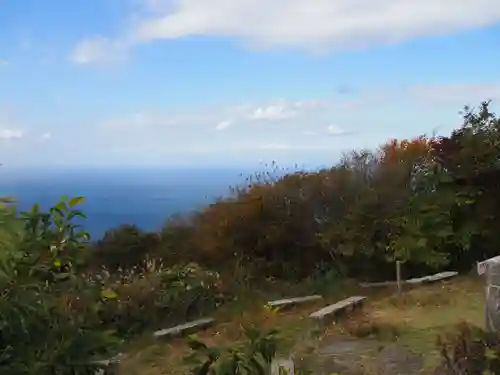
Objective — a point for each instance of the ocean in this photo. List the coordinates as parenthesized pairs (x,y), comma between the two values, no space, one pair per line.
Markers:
(144,197)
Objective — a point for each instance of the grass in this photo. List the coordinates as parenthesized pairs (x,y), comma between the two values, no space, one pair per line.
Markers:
(420,315)
(414,320)
(148,357)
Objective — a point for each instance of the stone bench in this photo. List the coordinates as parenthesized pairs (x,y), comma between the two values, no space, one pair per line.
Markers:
(440,276)
(415,281)
(381,284)
(184,329)
(290,302)
(333,311)
(432,278)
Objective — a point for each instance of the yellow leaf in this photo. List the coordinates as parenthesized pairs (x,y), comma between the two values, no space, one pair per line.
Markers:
(109,294)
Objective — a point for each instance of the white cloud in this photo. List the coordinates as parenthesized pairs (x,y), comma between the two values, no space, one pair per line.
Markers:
(98,49)
(373,116)
(274,112)
(6,134)
(46,136)
(314,25)
(223,125)
(285,109)
(4,62)
(335,130)
(274,146)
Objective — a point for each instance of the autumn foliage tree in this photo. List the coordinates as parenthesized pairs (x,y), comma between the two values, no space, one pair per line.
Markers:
(431,202)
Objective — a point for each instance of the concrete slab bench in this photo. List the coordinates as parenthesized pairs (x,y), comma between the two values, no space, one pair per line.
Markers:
(332,311)
(290,302)
(440,276)
(378,284)
(415,281)
(184,329)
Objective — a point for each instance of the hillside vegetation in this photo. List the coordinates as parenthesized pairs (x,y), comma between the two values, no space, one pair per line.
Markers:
(65,301)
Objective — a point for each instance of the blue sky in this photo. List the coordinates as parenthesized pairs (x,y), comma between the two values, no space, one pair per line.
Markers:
(235,82)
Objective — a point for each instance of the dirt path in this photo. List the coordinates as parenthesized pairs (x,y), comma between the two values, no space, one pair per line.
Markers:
(353,356)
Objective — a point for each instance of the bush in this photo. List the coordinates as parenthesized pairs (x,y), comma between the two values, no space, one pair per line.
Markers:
(124,247)
(49,321)
(253,357)
(362,215)
(153,296)
(469,350)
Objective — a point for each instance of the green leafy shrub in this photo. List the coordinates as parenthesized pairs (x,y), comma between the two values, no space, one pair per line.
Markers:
(49,321)
(254,357)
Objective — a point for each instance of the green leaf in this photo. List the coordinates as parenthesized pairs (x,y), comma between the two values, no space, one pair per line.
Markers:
(76,201)
(195,344)
(76,213)
(490,354)
(213,353)
(61,206)
(252,334)
(260,363)
(422,243)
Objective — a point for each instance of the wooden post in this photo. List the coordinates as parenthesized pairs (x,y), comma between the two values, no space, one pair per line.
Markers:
(398,276)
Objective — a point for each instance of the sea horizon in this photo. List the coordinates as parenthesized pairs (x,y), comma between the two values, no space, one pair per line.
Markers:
(145,197)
